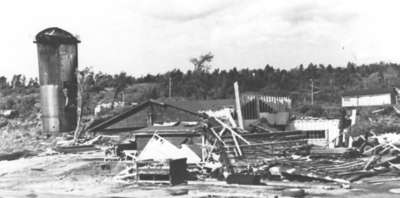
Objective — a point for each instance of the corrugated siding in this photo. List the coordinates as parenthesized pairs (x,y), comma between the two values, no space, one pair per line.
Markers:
(253,105)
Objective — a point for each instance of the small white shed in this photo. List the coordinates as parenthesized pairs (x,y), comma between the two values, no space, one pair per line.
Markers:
(321,132)
(371,97)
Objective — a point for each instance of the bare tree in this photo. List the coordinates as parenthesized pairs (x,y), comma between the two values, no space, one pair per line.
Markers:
(121,82)
(82,99)
(200,63)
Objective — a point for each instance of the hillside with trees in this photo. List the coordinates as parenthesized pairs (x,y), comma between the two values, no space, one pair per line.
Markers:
(206,82)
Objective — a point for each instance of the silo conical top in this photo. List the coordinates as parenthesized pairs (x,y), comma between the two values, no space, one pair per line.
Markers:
(55,35)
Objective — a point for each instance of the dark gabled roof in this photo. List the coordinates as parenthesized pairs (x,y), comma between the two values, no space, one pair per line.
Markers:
(135,109)
(176,130)
(367,92)
(201,105)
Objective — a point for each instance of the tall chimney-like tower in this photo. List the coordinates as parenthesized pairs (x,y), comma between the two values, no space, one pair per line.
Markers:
(58,62)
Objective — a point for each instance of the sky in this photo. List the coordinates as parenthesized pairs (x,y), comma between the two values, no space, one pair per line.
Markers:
(155,36)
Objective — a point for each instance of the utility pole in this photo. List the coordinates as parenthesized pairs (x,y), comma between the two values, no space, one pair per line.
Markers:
(238,107)
(170,87)
(312,91)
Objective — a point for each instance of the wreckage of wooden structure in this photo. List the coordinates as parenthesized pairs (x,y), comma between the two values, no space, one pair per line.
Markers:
(342,171)
(217,141)
(75,149)
(172,171)
(234,145)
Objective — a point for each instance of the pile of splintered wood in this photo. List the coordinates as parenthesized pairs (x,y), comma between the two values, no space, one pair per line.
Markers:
(341,171)
(271,154)
(270,145)
(274,148)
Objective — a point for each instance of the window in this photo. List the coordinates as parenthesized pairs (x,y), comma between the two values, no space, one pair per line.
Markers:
(315,134)
(346,99)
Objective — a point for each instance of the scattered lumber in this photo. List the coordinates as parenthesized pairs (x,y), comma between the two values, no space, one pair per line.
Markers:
(75,149)
(324,152)
(339,171)
(173,170)
(293,184)
(384,180)
(16,155)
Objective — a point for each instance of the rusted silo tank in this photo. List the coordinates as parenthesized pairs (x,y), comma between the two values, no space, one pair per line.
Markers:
(58,62)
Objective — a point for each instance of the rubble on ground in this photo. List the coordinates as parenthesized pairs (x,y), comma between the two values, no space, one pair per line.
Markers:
(264,157)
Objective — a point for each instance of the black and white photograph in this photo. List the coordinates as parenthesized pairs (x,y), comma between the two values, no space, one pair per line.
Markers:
(200,98)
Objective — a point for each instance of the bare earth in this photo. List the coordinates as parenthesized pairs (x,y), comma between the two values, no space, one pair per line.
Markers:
(82,175)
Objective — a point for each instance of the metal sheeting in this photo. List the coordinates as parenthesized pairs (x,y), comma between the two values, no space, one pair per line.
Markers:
(68,62)
(57,64)
(49,65)
(51,124)
(50,103)
(49,99)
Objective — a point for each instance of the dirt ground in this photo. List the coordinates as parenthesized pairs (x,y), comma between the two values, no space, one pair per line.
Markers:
(87,175)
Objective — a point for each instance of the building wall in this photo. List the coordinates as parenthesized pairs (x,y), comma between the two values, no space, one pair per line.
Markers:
(367,100)
(329,126)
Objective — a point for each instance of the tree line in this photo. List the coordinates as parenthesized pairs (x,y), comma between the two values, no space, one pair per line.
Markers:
(206,82)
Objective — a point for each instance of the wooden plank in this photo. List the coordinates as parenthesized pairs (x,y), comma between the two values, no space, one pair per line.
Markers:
(274,143)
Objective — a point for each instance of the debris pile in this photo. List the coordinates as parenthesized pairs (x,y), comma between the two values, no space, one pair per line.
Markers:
(379,120)
(340,171)
(237,156)
(215,148)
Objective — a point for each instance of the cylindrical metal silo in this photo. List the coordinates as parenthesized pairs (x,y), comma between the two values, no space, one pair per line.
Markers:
(58,62)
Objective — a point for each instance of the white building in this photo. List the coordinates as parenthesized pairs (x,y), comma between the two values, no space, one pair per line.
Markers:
(321,132)
(362,98)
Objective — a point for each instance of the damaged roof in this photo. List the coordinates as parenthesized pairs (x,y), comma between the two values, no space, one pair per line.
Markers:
(135,109)
(55,35)
(202,105)
(178,129)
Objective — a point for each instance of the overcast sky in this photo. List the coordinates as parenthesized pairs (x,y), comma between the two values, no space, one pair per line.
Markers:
(154,36)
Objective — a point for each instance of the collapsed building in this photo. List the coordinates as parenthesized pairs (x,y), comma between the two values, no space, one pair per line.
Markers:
(163,130)
(200,128)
